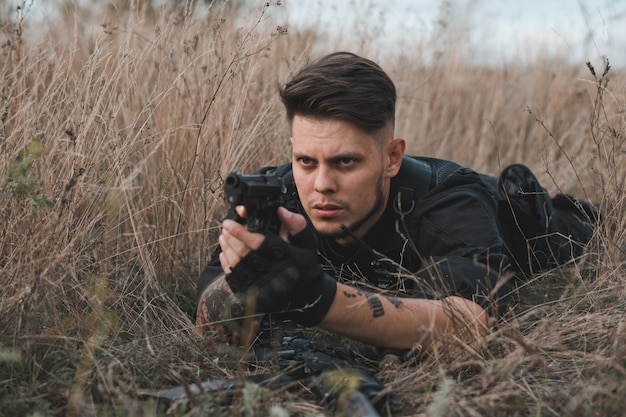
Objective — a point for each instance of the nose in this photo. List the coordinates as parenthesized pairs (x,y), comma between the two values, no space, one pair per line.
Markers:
(325,181)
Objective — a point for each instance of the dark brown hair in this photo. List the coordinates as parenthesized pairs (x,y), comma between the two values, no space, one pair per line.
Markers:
(342,86)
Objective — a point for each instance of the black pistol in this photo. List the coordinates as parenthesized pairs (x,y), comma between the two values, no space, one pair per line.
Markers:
(261,195)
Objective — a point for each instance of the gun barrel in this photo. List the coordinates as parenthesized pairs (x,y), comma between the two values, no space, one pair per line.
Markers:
(260,194)
(241,188)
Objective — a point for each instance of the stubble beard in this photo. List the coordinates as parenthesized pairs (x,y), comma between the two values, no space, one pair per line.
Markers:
(358,224)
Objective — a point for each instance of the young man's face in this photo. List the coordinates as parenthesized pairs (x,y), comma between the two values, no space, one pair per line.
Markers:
(342,174)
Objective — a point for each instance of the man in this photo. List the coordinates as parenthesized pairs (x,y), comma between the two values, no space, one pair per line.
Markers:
(393,251)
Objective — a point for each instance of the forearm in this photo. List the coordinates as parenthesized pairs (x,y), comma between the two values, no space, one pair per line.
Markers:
(402,323)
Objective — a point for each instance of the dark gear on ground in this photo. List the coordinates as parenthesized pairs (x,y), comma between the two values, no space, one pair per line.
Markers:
(540,231)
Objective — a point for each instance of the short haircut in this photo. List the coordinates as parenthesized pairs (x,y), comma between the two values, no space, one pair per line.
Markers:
(342,86)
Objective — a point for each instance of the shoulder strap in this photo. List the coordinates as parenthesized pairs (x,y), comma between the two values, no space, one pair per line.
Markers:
(413,181)
(417,176)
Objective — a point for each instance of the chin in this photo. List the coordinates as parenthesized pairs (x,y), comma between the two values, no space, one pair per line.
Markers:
(328,228)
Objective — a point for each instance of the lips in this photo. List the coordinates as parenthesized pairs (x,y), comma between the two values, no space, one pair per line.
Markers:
(326,210)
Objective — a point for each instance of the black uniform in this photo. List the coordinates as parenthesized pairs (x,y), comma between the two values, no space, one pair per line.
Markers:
(448,230)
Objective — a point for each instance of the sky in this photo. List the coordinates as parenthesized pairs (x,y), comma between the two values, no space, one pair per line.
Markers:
(499,30)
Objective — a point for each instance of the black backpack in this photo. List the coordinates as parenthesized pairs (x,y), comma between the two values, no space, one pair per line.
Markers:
(539,231)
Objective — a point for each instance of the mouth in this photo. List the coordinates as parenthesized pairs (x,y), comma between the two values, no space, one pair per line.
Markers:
(326,210)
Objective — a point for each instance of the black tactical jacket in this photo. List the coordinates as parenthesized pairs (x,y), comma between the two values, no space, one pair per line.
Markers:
(438,236)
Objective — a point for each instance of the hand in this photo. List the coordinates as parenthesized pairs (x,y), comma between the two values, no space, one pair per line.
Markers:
(276,274)
(236,241)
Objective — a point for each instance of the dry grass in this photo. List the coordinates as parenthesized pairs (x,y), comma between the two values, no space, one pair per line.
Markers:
(114,142)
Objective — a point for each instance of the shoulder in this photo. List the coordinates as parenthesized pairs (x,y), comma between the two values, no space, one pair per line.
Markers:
(426,172)
(439,184)
(421,178)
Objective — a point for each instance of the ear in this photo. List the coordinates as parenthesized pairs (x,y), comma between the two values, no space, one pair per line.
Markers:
(394,151)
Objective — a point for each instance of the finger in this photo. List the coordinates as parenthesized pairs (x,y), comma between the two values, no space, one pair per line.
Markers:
(230,243)
(233,248)
(250,239)
(228,258)
(241,211)
(232,251)
(291,223)
(227,267)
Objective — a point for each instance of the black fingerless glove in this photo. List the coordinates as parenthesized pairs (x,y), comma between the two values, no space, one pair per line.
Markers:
(286,277)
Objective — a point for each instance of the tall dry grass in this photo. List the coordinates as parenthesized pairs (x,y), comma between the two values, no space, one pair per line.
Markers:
(116,129)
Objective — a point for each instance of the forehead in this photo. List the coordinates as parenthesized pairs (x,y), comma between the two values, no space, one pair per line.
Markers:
(329,136)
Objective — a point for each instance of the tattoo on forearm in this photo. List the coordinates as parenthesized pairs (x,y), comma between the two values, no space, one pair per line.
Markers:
(375,304)
(352,294)
(395,301)
(373,301)
(222,305)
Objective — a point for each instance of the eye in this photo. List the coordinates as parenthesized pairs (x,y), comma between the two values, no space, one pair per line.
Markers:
(346,161)
(305,161)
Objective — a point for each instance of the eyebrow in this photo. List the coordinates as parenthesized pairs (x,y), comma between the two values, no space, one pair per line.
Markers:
(351,155)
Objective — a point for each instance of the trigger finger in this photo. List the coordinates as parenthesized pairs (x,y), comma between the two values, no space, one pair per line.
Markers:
(241,211)
(283,233)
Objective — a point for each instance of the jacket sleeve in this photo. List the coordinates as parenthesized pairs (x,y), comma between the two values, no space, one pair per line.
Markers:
(460,244)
